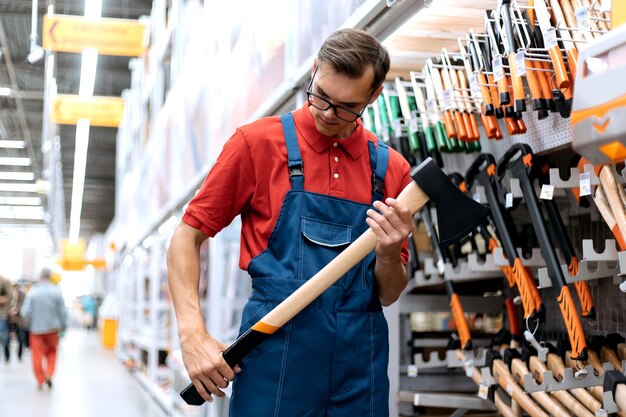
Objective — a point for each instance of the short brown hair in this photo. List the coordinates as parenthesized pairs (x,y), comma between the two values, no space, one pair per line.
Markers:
(350,51)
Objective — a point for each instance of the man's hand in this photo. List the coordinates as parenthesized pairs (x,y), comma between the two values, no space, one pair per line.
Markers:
(392,224)
(205,364)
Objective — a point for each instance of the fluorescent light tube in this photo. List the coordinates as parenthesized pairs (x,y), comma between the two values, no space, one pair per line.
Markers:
(78,184)
(17,176)
(15,161)
(6,92)
(12,144)
(18,188)
(21,212)
(88,73)
(20,201)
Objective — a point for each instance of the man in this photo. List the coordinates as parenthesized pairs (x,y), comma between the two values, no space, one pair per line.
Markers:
(44,311)
(6,296)
(304,185)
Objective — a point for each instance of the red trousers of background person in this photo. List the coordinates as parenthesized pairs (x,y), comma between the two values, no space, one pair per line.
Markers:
(44,346)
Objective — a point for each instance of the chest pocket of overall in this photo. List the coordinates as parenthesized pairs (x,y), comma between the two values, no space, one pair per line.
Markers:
(320,243)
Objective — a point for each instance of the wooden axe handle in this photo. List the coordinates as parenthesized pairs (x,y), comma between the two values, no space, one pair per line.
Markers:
(609,184)
(519,369)
(555,364)
(608,355)
(506,381)
(605,210)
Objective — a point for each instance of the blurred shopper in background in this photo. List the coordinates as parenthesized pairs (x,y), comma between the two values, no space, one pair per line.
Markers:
(44,311)
(16,321)
(6,297)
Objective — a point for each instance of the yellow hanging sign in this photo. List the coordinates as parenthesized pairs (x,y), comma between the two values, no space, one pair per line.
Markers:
(121,37)
(101,111)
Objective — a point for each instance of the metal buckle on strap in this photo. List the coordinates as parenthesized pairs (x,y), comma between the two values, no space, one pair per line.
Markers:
(296,169)
(378,186)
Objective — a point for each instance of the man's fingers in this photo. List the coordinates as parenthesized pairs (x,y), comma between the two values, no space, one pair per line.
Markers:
(203,390)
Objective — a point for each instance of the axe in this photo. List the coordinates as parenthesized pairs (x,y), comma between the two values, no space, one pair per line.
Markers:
(461,214)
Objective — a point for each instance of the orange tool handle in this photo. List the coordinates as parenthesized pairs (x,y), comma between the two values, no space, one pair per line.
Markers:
(573,325)
(498,131)
(572,61)
(517,81)
(459,319)
(524,286)
(533,81)
(449,124)
(521,126)
(619,238)
(511,312)
(489,124)
(460,126)
(562,81)
(511,126)
(544,79)
(503,90)
(582,289)
(494,92)
(484,88)
(472,126)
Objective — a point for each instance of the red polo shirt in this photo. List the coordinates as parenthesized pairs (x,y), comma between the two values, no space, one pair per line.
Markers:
(250,177)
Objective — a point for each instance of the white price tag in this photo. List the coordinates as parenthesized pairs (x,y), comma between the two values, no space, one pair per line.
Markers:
(547,192)
(397,128)
(476,197)
(605,6)
(483,391)
(520,63)
(431,108)
(585,184)
(508,201)
(474,86)
(498,68)
(447,99)
(413,124)
(549,38)
(583,21)
(411,371)
(601,412)
(469,367)
(509,389)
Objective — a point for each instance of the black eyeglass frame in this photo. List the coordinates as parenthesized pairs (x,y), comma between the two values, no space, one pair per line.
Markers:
(330,105)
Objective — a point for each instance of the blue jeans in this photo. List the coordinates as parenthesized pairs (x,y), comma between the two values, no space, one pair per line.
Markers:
(4,337)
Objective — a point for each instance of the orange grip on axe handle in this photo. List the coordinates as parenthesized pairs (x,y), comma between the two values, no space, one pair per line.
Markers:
(495,97)
(511,312)
(516,80)
(498,131)
(533,81)
(449,124)
(535,291)
(524,286)
(511,125)
(487,122)
(572,322)
(459,319)
(544,79)
(484,88)
(460,126)
(618,237)
(473,126)
(521,126)
(562,81)
(582,289)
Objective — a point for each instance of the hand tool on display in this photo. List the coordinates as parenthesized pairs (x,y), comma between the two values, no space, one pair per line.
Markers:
(504,378)
(485,50)
(469,118)
(409,113)
(518,369)
(556,365)
(614,390)
(545,73)
(483,171)
(433,74)
(537,368)
(434,114)
(450,103)
(602,203)
(551,44)
(385,122)
(563,349)
(610,188)
(461,215)
(618,344)
(497,60)
(567,248)
(570,47)
(398,140)
(607,354)
(518,162)
(427,126)
(579,36)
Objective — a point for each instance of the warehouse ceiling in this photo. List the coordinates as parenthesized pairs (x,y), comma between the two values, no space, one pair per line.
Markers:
(21,113)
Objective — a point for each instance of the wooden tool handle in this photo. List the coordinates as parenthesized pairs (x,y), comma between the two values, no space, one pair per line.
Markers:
(555,364)
(516,80)
(507,382)
(609,184)
(608,355)
(605,210)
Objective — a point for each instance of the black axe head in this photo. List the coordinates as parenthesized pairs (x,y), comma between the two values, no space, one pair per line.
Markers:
(457,213)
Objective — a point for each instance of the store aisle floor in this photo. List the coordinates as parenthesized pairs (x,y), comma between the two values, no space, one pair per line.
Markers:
(89,381)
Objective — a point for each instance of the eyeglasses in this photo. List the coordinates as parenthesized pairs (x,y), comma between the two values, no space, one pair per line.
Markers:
(323,104)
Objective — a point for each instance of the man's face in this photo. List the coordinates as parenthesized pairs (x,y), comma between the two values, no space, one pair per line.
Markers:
(339,90)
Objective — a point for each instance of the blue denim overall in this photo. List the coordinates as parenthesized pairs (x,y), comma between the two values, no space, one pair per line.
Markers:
(331,359)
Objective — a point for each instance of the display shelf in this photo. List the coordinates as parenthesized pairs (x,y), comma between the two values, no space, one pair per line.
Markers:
(586,272)
(609,253)
(446,400)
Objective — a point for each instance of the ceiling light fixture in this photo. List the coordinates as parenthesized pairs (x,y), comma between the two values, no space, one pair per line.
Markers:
(20,201)
(14,161)
(18,188)
(21,212)
(6,92)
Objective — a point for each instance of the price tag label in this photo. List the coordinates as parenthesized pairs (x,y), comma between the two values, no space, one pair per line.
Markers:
(547,192)
(585,184)
(474,86)
(411,371)
(469,368)
(476,197)
(601,412)
(447,99)
(498,68)
(483,391)
(397,128)
(431,108)
(509,389)
(520,63)
(583,21)
(413,124)
(550,38)
(508,203)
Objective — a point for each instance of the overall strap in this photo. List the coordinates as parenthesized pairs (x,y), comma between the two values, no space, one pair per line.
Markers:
(296,170)
(379,160)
